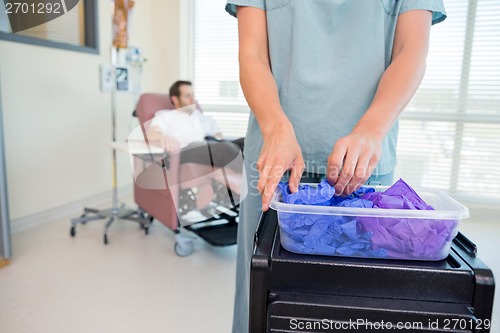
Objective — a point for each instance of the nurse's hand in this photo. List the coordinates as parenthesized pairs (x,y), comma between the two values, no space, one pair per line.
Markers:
(280,152)
(353,160)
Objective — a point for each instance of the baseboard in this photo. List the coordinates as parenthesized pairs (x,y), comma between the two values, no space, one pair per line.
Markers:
(71,209)
(4,262)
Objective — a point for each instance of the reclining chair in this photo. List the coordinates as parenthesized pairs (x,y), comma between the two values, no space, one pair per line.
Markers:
(166,190)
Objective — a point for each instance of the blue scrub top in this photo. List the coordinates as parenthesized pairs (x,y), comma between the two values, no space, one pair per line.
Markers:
(327,57)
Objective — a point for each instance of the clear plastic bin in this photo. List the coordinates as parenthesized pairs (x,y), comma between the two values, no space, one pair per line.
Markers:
(371,232)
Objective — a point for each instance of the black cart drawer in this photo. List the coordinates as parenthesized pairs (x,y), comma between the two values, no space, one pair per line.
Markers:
(447,295)
(318,313)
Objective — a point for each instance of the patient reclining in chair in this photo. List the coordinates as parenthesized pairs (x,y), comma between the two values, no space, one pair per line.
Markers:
(198,139)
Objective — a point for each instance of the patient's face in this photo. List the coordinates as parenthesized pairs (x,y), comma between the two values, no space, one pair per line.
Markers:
(186,96)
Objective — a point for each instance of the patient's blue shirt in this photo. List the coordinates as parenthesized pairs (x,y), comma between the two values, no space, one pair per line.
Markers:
(327,57)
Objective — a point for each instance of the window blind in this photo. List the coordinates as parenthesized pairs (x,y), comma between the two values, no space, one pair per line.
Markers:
(449,133)
(216,68)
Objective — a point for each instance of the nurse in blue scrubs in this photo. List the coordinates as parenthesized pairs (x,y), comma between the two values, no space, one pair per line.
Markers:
(326,81)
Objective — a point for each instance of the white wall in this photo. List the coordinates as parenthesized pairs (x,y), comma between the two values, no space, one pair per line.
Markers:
(57,122)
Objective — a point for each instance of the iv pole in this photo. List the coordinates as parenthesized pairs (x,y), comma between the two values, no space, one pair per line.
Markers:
(115,212)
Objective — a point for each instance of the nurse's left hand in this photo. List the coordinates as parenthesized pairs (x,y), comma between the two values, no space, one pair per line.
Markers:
(353,160)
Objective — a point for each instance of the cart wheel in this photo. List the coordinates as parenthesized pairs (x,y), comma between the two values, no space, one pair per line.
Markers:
(72,231)
(105,239)
(185,250)
(82,216)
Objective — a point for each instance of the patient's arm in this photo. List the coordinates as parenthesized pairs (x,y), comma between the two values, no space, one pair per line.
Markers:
(168,142)
(154,133)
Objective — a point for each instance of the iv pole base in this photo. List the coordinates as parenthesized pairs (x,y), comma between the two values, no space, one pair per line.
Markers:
(122,213)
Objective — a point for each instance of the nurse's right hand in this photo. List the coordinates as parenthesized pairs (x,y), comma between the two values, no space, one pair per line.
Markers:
(280,152)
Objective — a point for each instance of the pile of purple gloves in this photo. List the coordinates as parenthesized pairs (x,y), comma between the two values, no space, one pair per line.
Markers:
(358,236)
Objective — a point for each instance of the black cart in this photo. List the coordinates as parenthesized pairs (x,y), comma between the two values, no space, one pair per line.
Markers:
(304,293)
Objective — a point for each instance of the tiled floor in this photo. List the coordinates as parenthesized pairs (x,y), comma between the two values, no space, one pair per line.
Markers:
(59,284)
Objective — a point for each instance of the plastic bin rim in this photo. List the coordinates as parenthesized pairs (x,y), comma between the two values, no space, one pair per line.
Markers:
(458,211)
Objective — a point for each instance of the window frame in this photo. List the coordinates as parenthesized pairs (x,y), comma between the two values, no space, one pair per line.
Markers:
(187,41)
(91,33)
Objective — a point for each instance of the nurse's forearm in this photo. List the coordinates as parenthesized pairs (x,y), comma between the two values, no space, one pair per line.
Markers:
(403,76)
(396,87)
(280,151)
(256,78)
(261,93)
